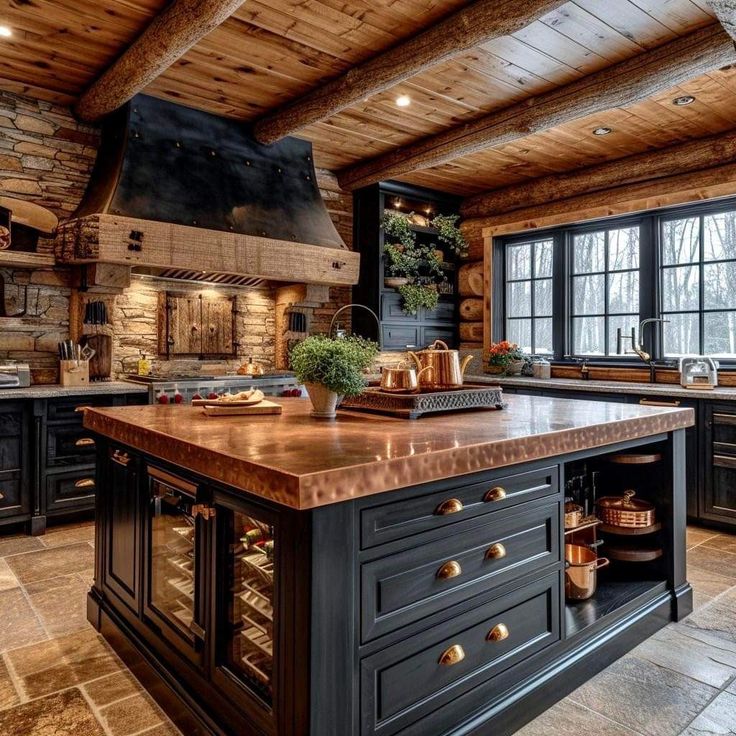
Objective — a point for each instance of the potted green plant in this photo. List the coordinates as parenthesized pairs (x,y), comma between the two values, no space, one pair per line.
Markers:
(401,263)
(332,368)
(397,228)
(450,234)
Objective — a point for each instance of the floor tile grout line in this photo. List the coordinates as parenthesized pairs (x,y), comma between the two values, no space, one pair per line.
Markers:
(14,679)
(604,716)
(96,712)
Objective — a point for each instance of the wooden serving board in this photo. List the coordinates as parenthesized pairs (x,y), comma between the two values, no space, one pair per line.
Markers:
(412,406)
(263,407)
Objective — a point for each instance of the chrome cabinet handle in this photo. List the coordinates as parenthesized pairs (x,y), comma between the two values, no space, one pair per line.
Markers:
(85,483)
(495,494)
(452,655)
(84,442)
(498,633)
(451,506)
(496,552)
(449,570)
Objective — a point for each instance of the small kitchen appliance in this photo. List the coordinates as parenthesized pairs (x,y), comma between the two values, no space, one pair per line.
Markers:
(698,372)
(15,375)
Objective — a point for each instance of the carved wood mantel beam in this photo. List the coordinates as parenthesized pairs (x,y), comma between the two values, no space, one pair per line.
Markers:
(166,39)
(616,86)
(476,24)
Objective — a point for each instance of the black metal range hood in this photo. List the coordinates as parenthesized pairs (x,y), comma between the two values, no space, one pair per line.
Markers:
(163,162)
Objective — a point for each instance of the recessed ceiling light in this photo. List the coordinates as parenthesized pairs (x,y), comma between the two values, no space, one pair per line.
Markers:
(403,100)
(602,131)
(5,32)
(683,100)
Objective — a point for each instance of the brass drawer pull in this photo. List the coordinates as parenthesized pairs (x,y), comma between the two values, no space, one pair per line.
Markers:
(85,483)
(84,442)
(449,570)
(498,633)
(495,494)
(81,408)
(658,402)
(121,458)
(496,552)
(452,655)
(451,506)
(2,495)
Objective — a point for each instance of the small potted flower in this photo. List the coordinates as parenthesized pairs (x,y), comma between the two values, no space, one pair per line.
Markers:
(332,368)
(505,357)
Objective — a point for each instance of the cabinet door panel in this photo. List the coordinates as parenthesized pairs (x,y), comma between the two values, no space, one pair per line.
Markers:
(71,490)
(217,326)
(123,528)
(12,499)
(398,337)
(184,325)
(719,493)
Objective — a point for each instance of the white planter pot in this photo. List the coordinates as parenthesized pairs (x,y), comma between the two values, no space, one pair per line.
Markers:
(324,401)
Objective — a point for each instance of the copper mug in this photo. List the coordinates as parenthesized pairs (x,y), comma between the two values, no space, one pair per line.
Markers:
(581,571)
(402,379)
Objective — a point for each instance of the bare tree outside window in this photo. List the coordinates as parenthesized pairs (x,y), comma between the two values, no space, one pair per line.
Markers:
(698,285)
(604,288)
(529,295)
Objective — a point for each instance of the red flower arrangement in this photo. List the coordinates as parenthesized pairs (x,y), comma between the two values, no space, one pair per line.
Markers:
(504,352)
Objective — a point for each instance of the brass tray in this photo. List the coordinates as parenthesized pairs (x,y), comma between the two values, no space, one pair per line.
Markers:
(413,406)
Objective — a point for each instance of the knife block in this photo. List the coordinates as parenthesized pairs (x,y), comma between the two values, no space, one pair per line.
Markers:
(74,373)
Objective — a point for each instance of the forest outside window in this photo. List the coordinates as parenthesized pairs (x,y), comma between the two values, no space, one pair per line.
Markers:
(529,295)
(698,284)
(604,289)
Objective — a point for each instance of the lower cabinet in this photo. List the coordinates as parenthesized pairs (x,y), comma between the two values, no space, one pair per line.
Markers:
(719,448)
(16,457)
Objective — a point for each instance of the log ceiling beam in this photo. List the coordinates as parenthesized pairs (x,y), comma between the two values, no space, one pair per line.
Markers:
(616,86)
(694,155)
(178,27)
(725,11)
(478,23)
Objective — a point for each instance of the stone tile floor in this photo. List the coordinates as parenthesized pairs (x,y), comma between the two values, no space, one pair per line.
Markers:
(59,678)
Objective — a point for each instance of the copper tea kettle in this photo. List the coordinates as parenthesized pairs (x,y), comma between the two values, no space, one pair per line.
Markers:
(448,368)
(402,379)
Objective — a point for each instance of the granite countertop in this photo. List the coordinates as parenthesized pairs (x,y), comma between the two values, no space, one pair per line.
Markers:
(56,391)
(304,463)
(607,387)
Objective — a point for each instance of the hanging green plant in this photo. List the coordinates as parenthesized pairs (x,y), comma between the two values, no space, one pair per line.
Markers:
(416,296)
(397,227)
(401,260)
(450,234)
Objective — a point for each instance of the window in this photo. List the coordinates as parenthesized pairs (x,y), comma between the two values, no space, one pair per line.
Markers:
(604,289)
(529,295)
(698,284)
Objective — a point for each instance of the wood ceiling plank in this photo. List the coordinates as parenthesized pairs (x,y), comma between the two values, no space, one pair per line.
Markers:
(434,45)
(167,38)
(681,16)
(621,84)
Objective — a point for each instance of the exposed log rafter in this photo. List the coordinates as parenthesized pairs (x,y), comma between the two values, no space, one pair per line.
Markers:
(479,23)
(616,86)
(694,155)
(725,11)
(165,40)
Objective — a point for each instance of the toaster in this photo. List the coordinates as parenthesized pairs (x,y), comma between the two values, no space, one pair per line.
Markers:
(698,372)
(15,375)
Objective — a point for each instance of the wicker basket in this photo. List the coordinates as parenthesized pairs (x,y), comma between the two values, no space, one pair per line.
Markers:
(625,511)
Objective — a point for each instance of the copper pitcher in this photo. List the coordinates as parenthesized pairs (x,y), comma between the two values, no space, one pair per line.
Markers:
(402,379)
(448,368)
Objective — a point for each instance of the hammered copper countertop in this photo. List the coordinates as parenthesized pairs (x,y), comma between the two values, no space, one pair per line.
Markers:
(304,463)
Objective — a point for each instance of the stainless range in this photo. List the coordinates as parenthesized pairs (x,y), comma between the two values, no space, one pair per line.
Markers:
(182,389)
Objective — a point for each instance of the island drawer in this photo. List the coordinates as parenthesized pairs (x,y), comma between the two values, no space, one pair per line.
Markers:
(434,510)
(405,683)
(476,556)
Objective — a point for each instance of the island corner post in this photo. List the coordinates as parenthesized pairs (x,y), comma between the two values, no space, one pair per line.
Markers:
(356,605)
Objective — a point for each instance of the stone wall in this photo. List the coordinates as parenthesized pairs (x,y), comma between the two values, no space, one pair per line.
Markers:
(46,157)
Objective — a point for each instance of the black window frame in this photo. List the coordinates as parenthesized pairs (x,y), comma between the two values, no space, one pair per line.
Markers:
(701,212)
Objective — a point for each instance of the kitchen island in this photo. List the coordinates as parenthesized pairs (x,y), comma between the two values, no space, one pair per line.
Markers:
(371,576)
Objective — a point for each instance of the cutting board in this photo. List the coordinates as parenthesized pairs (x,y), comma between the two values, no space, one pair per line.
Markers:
(264,407)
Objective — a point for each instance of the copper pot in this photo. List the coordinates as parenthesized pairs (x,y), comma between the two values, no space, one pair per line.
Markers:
(581,571)
(402,379)
(448,368)
(249,368)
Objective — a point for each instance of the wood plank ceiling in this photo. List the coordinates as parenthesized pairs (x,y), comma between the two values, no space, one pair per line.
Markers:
(272,51)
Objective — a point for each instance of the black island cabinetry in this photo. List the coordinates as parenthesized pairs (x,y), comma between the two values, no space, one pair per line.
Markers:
(435,610)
